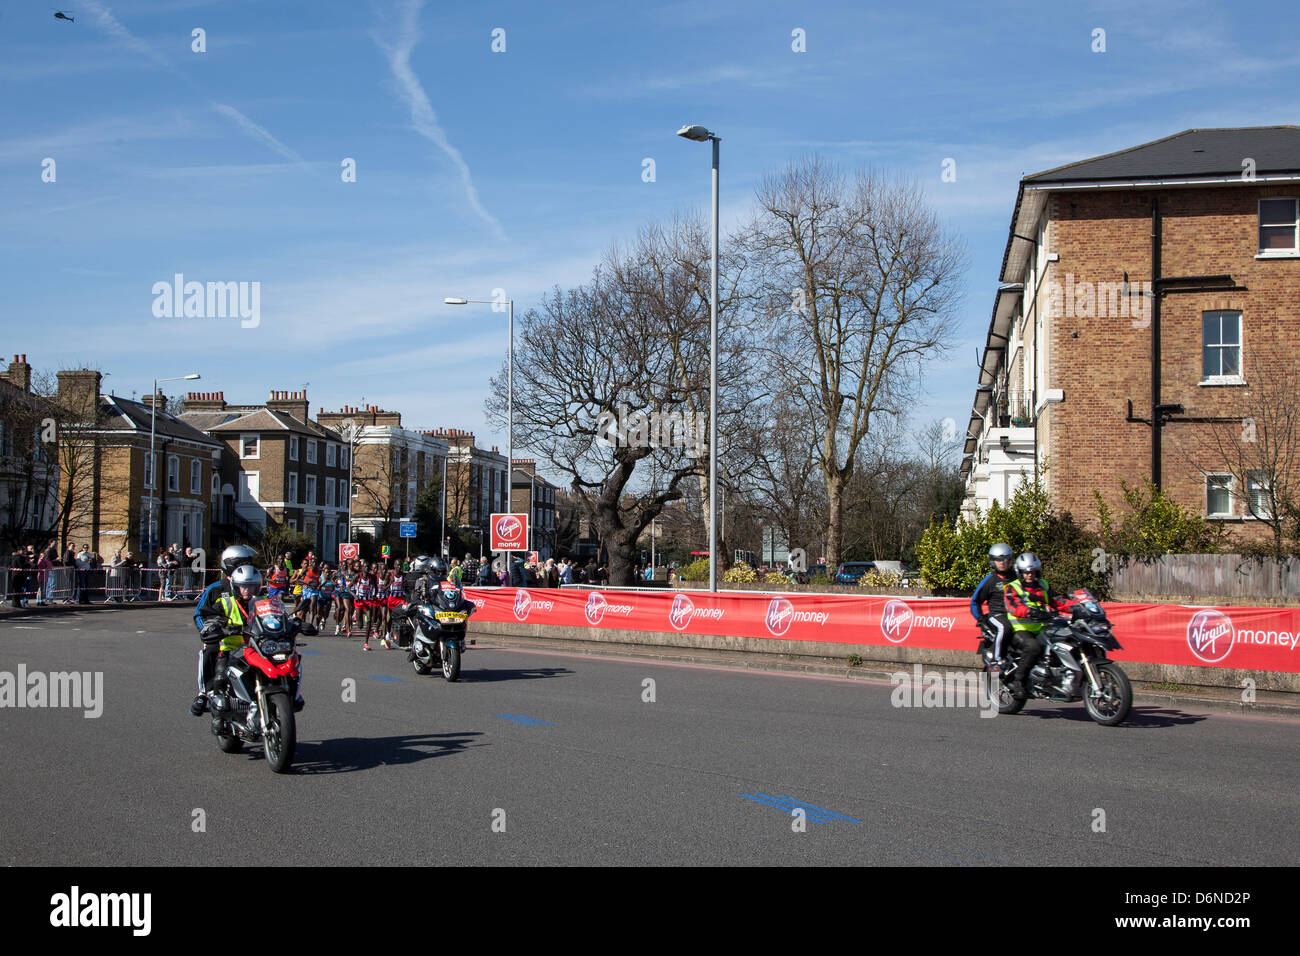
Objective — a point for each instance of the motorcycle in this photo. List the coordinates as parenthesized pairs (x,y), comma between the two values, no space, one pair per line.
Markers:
(435,633)
(1073,667)
(257,685)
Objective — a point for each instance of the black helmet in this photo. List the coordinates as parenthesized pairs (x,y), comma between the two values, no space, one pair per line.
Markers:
(1028,562)
(236,555)
(1000,551)
(438,568)
(421,565)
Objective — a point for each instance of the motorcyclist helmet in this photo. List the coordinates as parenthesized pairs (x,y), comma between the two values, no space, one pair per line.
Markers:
(235,556)
(1000,552)
(246,576)
(1027,564)
(421,565)
(438,568)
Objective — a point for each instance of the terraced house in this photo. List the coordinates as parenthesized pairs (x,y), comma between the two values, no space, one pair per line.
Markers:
(1147,326)
(276,465)
(109,484)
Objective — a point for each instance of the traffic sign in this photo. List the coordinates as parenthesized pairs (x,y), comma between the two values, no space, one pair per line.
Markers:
(407,529)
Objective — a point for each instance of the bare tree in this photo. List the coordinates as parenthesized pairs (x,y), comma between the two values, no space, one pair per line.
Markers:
(1259,452)
(866,278)
(616,378)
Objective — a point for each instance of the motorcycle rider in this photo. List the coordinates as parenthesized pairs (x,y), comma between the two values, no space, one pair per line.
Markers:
(989,591)
(207,615)
(425,584)
(1030,602)
(223,626)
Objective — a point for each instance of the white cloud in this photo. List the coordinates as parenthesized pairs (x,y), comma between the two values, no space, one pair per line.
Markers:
(423,118)
(258,133)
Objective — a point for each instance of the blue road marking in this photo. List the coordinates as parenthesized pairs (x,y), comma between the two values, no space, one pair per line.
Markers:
(789,804)
(386,679)
(525,720)
(309,652)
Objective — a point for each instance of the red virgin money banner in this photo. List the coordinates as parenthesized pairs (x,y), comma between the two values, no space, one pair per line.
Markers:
(1249,638)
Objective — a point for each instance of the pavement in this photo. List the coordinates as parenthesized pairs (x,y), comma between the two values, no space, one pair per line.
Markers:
(554,757)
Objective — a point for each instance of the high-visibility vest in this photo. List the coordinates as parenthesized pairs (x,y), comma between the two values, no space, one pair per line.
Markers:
(1020,623)
(235,618)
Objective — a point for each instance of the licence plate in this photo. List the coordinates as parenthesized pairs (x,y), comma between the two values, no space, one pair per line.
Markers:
(451,617)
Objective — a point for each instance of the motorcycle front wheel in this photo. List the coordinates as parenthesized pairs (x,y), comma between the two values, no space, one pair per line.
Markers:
(450,662)
(1113,699)
(280,737)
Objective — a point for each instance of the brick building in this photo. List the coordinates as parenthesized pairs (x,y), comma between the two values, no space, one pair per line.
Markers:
(29,470)
(1147,325)
(392,468)
(534,496)
(476,482)
(109,485)
(276,465)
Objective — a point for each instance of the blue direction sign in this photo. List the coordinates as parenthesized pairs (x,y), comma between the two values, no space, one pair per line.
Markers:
(407,529)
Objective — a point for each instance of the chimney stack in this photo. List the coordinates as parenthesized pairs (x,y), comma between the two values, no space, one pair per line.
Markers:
(79,392)
(19,373)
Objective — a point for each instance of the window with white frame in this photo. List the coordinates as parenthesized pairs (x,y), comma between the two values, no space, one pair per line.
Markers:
(1259,495)
(310,498)
(173,473)
(331,455)
(1221,346)
(343,457)
(149,460)
(293,447)
(1278,231)
(196,477)
(330,491)
(293,487)
(249,446)
(311,452)
(1218,496)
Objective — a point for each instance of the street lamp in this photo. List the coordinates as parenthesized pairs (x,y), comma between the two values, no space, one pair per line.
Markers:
(348,430)
(153,465)
(510,399)
(701,135)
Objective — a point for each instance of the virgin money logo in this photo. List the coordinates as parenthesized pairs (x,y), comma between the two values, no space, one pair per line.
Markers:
(596,605)
(510,531)
(680,614)
(523,604)
(896,622)
(1210,635)
(479,603)
(780,615)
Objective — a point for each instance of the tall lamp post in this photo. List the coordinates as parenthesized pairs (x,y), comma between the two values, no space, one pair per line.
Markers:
(153,465)
(510,399)
(348,430)
(701,135)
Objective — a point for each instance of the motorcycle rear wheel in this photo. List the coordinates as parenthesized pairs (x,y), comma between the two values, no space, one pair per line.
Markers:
(281,736)
(419,667)
(229,743)
(1112,705)
(1008,703)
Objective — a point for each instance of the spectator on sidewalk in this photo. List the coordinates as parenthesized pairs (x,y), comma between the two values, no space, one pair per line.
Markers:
(82,564)
(44,577)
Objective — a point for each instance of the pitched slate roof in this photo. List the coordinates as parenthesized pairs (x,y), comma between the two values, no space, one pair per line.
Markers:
(125,414)
(1193,152)
(255,418)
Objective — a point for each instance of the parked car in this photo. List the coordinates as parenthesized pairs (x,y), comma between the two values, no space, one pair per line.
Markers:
(851,571)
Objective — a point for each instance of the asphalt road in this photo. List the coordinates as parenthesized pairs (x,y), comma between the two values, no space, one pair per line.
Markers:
(583,770)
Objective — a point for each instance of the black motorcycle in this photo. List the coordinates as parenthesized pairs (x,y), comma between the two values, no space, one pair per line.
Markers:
(1074,666)
(434,634)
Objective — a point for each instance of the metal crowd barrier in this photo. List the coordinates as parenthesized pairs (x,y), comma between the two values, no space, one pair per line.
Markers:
(26,587)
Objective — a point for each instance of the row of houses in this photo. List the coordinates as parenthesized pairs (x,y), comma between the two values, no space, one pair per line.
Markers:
(1147,327)
(220,472)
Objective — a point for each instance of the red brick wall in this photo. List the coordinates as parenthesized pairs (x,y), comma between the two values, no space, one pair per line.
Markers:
(1206,231)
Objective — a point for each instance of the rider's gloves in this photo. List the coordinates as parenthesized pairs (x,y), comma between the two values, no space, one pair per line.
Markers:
(1039,614)
(212,633)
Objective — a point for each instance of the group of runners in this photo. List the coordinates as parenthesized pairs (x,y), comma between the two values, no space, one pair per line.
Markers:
(360,594)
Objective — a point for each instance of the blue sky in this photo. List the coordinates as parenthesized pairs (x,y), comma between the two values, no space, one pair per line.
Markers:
(479,170)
